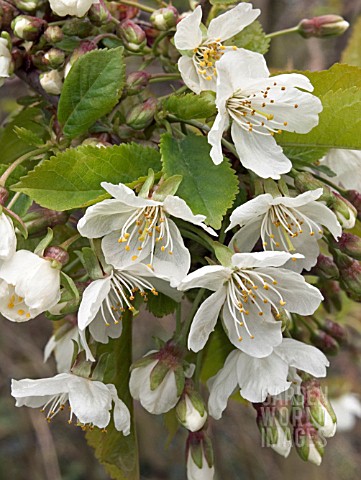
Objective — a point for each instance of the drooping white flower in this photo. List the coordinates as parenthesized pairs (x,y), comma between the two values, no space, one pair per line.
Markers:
(51,82)
(90,401)
(286,224)
(76,8)
(246,292)
(61,344)
(29,285)
(259,107)
(5,60)
(190,411)
(347,409)
(194,472)
(347,166)
(201,48)
(259,377)
(7,237)
(283,444)
(138,229)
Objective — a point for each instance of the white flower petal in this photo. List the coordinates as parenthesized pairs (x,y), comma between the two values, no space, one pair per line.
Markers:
(189,35)
(246,238)
(345,163)
(232,22)
(121,413)
(250,210)
(261,259)
(189,74)
(127,196)
(102,332)
(303,357)
(299,200)
(222,385)
(24,389)
(7,237)
(93,297)
(211,277)
(205,320)
(221,123)
(306,245)
(116,255)
(321,214)
(70,7)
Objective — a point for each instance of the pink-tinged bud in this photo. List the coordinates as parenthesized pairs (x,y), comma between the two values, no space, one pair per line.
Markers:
(132,35)
(325,342)
(81,27)
(53,34)
(99,14)
(7,13)
(323,26)
(345,212)
(54,58)
(165,18)
(309,445)
(39,220)
(190,409)
(56,254)
(141,116)
(27,5)
(350,245)
(200,459)
(122,12)
(28,28)
(334,329)
(354,197)
(52,82)
(319,408)
(84,47)
(350,275)
(325,268)
(4,195)
(331,292)
(305,181)
(136,82)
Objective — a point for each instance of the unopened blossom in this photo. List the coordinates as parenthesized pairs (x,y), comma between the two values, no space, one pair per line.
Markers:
(51,82)
(29,285)
(76,8)
(90,401)
(5,60)
(284,224)
(7,237)
(248,292)
(201,48)
(259,377)
(258,107)
(346,164)
(137,229)
(194,472)
(200,459)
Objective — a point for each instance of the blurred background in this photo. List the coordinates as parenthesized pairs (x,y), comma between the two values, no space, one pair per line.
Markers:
(32,449)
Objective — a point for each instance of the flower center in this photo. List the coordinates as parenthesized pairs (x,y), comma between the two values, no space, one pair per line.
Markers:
(249,111)
(123,288)
(249,291)
(151,227)
(206,55)
(16,305)
(281,224)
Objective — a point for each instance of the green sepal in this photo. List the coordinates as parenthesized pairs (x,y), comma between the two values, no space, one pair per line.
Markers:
(157,375)
(168,187)
(91,263)
(101,367)
(82,367)
(223,254)
(197,402)
(147,185)
(208,450)
(179,379)
(142,362)
(69,285)
(197,455)
(271,187)
(44,243)
(181,410)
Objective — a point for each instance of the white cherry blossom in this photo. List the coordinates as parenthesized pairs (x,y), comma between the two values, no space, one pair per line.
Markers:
(202,48)
(76,8)
(284,224)
(347,166)
(247,291)
(7,237)
(5,60)
(29,285)
(259,107)
(137,229)
(259,377)
(90,400)
(196,473)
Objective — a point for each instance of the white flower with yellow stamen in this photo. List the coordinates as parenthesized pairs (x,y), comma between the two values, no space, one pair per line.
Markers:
(259,377)
(29,285)
(284,224)
(202,48)
(137,229)
(259,107)
(90,401)
(247,291)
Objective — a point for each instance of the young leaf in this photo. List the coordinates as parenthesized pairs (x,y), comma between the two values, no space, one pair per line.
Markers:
(215,353)
(91,89)
(72,178)
(207,188)
(251,38)
(186,107)
(28,136)
(160,305)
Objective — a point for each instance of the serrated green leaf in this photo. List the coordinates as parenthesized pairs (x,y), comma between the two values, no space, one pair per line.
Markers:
(118,454)
(215,353)
(251,38)
(352,53)
(301,156)
(208,189)
(189,106)
(160,305)
(223,2)
(28,136)
(72,178)
(91,89)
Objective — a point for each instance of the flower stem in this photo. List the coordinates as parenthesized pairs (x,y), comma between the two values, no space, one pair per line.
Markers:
(137,5)
(164,77)
(283,32)
(20,160)
(66,244)
(157,41)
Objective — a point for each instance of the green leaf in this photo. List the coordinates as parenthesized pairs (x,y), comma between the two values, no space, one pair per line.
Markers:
(118,454)
(302,156)
(223,2)
(251,38)
(12,147)
(190,106)
(160,305)
(215,353)
(340,121)
(352,53)
(208,189)
(72,178)
(91,89)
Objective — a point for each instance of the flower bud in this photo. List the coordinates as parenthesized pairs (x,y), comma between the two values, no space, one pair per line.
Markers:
(85,47)
(121,12)
(308,443)
(354,197)
(56,253)
(165,18)
(200,461)
(7,13)
(305,181)
(132,35)
(4,195)
(51,82)
(345,212)
(350,245)
(27,5)
(136,82)
(39,220)
(332,299)
(323,26)
(326,343)
(350,275)
(28,28)
(141,116)
(99,14)
(321,412)
(325,268)
(190,410)
(53,34)
(54,58)
(81,27)
(334,329)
